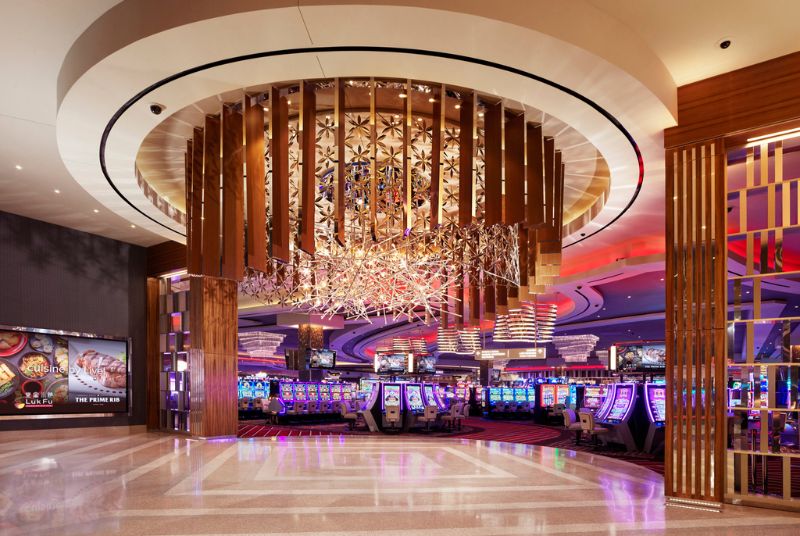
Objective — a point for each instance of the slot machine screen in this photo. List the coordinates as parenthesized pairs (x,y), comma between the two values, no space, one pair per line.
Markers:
(531,394)
(336,392)
(494,394)
(520,395)
(622,401)
(562,394)
(657,400)
(507,394)
(324,392)
(313,392)
(300,393)
(593,396)
(548,395)
(428,390)
(391,395)
(287,393)
(414,398)
(245,388)
(478,394)
(259,391)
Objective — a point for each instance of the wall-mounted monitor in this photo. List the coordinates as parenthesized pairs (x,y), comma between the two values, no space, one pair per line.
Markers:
(44,372)
(641,357)
(391,363)
(426,364)
(321,359)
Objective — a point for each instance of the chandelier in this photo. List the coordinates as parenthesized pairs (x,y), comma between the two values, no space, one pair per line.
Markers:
(368,197)
(261,344)
(575,348)
(530,322)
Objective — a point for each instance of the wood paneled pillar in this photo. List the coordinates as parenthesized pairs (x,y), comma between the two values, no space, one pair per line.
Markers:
(213,357)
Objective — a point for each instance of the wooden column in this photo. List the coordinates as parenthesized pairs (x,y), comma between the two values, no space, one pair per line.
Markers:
(256,197)
(195,248)
(309,162)
(232,195)
(211,177)
(213,357)
(493,142)
(153,355)
(279,156)
(466,157)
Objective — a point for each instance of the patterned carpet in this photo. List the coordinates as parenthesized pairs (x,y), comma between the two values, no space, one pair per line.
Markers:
(472,428)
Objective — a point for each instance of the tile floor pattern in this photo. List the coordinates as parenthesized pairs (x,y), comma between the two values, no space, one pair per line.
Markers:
(109,481)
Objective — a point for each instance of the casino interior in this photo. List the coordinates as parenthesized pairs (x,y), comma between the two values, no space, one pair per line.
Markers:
(399,267)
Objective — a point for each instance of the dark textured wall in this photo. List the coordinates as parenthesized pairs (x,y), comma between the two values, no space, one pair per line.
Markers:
(52,277)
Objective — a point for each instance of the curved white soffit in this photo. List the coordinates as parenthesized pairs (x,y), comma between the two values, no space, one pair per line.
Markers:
(102,90)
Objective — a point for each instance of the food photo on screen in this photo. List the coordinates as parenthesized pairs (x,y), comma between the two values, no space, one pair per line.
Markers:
(44,373)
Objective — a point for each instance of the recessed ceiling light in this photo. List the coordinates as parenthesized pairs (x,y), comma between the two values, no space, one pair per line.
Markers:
(458,106)
(629,297)
(662,279)
(57,191)
(96,211)
(480,114)
(19,168)
(133,226)
(431,100)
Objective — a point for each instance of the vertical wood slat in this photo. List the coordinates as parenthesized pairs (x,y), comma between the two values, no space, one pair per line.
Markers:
(720,307)
(373,160)
(408,121)
(670,279)
(256,195)
(187,163)
(466,173)
(195,264)
(308,181)
(211,206)
(493,163)
(710,418)
(680,274)
(438,127)
(232,195)
(340,173)
(515,169)
(699,225)
(534,172)
(558,198)
(689,313)
(279,156)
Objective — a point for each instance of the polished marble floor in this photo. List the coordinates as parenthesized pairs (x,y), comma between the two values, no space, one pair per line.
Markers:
(126,481)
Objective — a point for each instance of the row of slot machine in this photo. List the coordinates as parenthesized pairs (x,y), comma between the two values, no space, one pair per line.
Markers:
(291,393)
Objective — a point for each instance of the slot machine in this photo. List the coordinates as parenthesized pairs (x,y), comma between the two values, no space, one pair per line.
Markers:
(655,396)
(619,414)
(245,388)
(313,397)
(530,393)
(562,394)
(547,395)
(392,405)
(286,395)
(258,389)
(494,399)
(506,395)
(413,398)
(336,392)
(324,397)
(300,397)
(520,396)
(432,397)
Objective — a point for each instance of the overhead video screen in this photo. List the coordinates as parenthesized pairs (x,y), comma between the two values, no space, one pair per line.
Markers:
(641,357)
(323,359)
(391,363)
(44,373)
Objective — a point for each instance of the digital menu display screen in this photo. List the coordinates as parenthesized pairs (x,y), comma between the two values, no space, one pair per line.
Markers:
(321,359)
(622,401)
(391,395)
(47,373)
(391,363)
(657,400)
(414,398)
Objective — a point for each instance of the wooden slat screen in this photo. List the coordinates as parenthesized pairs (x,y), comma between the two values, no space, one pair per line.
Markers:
(695,322)
(256,195)
(232,194)
(279,157)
